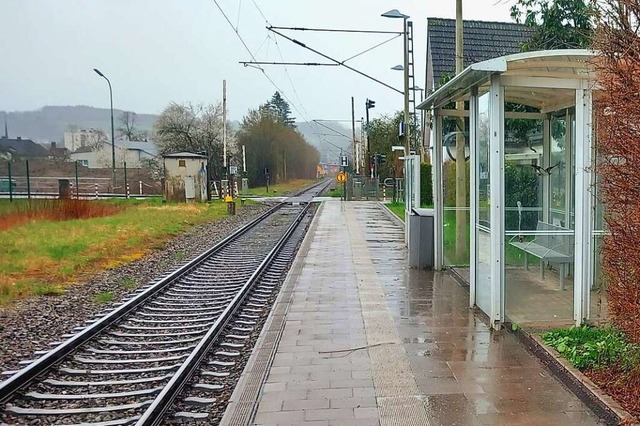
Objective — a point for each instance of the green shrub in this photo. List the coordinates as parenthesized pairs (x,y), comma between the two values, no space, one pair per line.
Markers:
(129,283)
(104,297)
(449,182)
(426,185)
(520,184)
(47,290)
(592,347)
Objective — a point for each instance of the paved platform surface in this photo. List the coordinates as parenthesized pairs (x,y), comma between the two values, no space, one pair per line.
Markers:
(366,341)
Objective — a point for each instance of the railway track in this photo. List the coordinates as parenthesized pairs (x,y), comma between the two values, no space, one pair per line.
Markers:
(168,354)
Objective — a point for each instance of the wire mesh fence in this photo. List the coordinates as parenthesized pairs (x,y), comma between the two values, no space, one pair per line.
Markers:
(50,179)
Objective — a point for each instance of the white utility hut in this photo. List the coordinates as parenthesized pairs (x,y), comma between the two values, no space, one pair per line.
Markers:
(533,225)
(185,177)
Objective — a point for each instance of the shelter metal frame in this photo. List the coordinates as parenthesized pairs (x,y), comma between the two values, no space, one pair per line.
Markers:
(549,81)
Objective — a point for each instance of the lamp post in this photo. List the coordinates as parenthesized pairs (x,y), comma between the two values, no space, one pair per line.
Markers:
(113,139)
(395,14)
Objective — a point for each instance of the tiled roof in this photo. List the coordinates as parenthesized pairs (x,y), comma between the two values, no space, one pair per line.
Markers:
(148,147)
(184,155)
(482,41)
(83,149)
(23,147)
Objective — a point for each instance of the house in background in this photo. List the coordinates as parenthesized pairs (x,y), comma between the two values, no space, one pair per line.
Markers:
(21,149)
(138,153)
(135,154)
(481,41)
(58,153)
(83,137)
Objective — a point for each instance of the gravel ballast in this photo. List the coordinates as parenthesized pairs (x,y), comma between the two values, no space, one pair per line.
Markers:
(32,324)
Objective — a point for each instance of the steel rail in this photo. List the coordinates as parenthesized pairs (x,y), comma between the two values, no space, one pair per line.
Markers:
(28,374)
(154,414)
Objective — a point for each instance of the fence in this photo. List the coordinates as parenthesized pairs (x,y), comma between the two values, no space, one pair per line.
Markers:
(43,179)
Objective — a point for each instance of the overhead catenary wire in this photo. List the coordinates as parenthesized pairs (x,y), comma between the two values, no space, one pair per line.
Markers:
(260,11)
(295,92)
(333,130)
(307,64)
(317,52)
(371,48)
(262,44)
(246,47)
(337,30)
(257,66)
(238,19)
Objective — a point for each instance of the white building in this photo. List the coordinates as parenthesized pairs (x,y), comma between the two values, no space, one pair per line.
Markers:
(185,177)
(82,138)
(135,154)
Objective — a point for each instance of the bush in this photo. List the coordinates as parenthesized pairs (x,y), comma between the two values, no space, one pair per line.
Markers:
(520,184)
(449,183)
(593,348)
(426,185)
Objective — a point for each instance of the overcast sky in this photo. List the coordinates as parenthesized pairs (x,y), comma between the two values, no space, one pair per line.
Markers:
(158,51)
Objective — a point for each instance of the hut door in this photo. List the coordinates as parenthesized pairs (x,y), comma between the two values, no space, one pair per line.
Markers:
(189,188)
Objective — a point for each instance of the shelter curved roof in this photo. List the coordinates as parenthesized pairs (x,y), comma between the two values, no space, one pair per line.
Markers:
(534,78)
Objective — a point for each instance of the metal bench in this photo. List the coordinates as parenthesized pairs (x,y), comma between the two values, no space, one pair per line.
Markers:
(552,247)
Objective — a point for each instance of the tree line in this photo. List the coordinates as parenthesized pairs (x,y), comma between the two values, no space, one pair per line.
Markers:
(268,133)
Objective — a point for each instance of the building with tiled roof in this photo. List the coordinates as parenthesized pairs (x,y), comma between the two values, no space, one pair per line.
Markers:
(482,40)
(21,148)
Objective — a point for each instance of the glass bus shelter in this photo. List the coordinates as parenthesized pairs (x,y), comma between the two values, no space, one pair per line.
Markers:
(534,226)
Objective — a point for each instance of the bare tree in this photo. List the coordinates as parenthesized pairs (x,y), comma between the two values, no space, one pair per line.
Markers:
(192,128)
(127,121)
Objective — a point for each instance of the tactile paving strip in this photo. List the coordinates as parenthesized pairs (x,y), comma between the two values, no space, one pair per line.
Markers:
(397,395)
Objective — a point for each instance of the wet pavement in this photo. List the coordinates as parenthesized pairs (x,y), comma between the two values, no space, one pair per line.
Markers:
(369,341)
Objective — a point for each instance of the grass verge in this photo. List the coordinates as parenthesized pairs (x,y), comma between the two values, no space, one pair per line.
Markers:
(397,209)
(41,256)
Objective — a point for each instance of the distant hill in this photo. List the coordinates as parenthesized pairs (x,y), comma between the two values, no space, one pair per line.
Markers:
(50,122)
(328,140)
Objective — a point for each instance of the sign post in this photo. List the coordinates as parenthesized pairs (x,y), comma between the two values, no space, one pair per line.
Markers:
(344,162)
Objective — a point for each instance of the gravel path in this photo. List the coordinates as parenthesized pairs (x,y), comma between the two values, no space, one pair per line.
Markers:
(32,324)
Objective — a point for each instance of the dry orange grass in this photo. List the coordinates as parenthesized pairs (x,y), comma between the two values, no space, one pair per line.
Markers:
(55,210)
(44,253)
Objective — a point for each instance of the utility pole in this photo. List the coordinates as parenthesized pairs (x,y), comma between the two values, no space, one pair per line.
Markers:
(244,160)
(461,167)
(368,144)
(407,132)
(225,162)
(353,135)
(368,105)
(284,164)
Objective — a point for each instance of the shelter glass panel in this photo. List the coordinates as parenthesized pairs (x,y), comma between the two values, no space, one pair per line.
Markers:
(557,179)
(456,220)
(539,239)
(482,227)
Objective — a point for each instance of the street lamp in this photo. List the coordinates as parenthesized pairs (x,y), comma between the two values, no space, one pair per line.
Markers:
(113,139)
(395,14)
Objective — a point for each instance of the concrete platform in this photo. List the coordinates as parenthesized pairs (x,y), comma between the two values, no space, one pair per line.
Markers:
(356,338)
